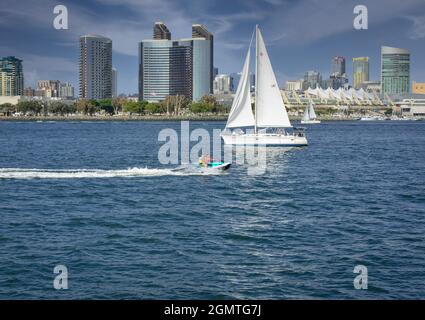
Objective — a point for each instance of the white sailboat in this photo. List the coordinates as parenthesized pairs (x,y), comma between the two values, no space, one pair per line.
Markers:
(309,115)
(271,120)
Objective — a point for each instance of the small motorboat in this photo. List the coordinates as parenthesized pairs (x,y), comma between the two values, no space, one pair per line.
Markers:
(207,162)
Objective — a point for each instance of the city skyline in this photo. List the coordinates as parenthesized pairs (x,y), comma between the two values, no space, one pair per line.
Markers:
(294,45)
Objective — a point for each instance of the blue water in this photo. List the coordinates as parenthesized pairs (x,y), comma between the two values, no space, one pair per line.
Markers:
(354,196)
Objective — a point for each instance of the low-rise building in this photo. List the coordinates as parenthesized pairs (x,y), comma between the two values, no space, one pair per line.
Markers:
(297,85)
(412,108)
(29,92)
(10,99)
(66,90)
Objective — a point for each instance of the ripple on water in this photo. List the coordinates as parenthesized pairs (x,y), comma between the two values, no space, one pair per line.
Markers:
(83,198)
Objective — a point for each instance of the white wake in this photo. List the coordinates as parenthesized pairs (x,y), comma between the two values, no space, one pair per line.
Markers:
(19,173)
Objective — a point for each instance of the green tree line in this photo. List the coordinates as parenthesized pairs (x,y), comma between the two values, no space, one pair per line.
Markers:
(172,105)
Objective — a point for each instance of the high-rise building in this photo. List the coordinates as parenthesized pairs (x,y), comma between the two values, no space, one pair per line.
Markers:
(202,68)
(11,77)
(200,31)
(335,82)
(161,32)
(114,82)
(66,90)
(313,79)
(223,84)
(338,76)
(236,77)
(338,66)
(165,69)
(95,67)
(360,71)
(175,67)
(235,81)
(215,72)
(395,70)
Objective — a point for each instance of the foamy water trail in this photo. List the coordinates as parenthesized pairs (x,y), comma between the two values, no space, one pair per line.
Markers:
(20,173)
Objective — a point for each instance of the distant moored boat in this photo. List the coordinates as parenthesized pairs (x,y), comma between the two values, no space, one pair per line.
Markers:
(309,115)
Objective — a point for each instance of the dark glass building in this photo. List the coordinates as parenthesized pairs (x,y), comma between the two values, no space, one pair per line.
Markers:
(161,32)
(11,77)
(395,70)
(200,31)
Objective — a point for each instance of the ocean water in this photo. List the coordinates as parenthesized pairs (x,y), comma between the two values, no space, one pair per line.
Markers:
(93,197)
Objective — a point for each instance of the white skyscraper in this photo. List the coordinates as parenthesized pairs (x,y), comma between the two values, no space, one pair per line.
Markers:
(95,67)
(222,84)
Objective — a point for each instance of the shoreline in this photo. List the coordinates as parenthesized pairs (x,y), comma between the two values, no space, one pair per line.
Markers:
(116,118)
(143,118)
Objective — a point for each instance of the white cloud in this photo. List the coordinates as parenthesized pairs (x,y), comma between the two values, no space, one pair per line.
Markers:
(38,67)
(311,20)
(275,2)
(418,29)
(284,23)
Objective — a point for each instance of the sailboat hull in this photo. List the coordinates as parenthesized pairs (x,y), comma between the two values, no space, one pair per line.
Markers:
(266,139)
(310,121)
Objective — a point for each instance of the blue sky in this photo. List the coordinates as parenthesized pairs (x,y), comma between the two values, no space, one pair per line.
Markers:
(301,34)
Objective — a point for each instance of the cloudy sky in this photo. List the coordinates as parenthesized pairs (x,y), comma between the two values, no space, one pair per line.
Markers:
(301,34)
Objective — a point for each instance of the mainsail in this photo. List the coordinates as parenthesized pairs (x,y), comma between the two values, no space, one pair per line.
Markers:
(241,112)
(311,112)
(270,109)
(306,116)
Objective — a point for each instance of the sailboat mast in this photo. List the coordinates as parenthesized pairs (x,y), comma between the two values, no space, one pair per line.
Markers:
(256,77)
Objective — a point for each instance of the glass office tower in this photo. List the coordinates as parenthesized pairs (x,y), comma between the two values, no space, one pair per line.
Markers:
(202,68)
(338,66)
(161,32)
(175,67)
(165,68)
(200,31)
(395,70)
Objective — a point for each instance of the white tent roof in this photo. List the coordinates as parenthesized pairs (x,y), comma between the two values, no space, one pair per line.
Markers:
(340,94)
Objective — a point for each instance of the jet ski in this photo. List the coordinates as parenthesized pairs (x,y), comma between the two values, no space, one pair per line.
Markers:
(207,162)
